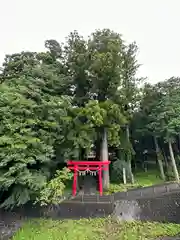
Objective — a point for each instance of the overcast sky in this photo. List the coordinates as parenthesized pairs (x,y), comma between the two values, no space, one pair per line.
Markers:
(153,24)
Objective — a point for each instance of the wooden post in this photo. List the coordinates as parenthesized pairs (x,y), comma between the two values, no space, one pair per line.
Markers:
(75,181)
(100,181)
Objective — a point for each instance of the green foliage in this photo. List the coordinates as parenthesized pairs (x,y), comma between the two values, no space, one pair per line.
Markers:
(28,134)
(142,179)
(55,103)
(158,117)
(118,166)
(52,192)
(105,115)
(159,110)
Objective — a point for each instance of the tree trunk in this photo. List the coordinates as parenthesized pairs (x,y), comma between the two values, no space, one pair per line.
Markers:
(129,157)
(98,144)
(159,159)
(104,157)
(166,167)
(176,174)
(165,158)
(179,142)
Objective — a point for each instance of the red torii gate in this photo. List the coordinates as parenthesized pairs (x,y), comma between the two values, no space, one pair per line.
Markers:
(87,166)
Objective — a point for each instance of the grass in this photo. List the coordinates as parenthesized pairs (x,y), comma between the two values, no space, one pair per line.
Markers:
(92,229)
(142,179)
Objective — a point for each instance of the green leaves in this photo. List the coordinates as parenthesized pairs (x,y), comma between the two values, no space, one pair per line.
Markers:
(159,110)
(102,115)
(28,132)
(53,191)
(54,104)
(166,112)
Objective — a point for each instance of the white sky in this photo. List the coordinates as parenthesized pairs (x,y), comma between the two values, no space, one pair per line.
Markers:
(153,24)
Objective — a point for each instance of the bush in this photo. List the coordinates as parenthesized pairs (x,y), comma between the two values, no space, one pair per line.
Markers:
(53,191)
(28,133)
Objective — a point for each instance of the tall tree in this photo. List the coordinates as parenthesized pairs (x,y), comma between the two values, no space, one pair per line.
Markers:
(14,65)
(163,117)
(113,68)
(146,115)
(130,96)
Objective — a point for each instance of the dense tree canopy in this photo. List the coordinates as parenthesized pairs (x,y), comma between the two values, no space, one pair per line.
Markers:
(57,105)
